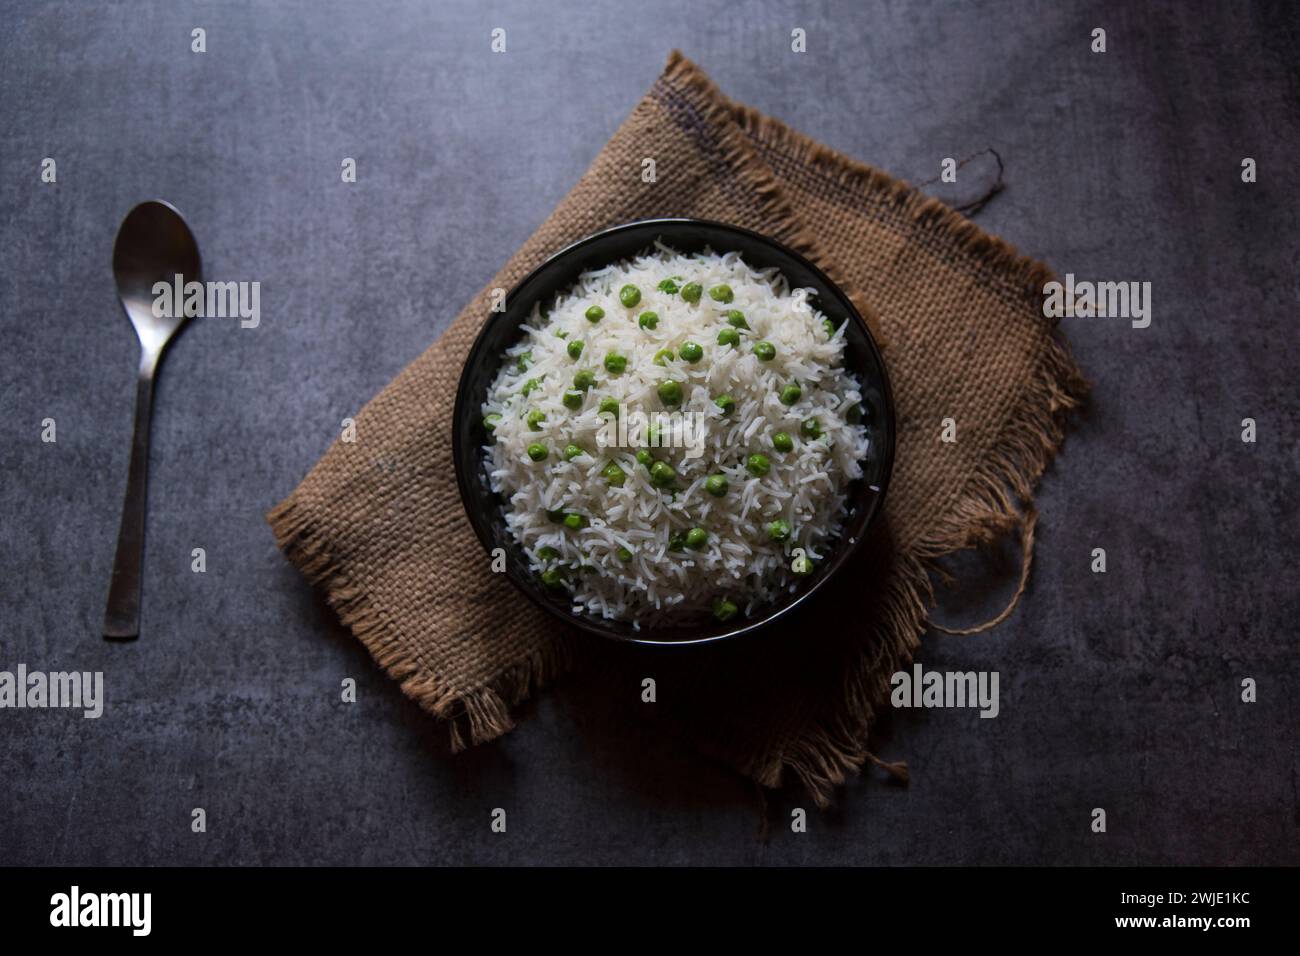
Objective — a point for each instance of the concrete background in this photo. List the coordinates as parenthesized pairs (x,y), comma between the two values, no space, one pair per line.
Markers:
(1118,690)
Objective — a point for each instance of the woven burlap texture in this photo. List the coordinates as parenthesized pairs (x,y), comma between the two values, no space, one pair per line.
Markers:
(378,525)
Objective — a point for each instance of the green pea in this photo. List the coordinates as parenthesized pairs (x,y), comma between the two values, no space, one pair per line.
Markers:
(669,286)
(614,474)
(573,521)
(530,385)
(537,451)
(534,419)
(692,352)
(648,320)
(764,351)
(561,334)
(811,429)
(491,420)
(829,326)
(523,361)
(677,542)
(584,379)
(782,442)
(736,319)
(662,474)
(726,403)
(778,530)
(644,457)
(652,435)
(663,356)
(624,555)
(728,336)
(574,349)
(716,485)
(692,291)
(724,610)
(790,394)
(552,578)
(547,554)
(670,393)
(572,399)
(802,566)
(696,538)
(721,293)
(758,465)
(572,451)
(615,363)
(629,295)
(609,405)
(594,314)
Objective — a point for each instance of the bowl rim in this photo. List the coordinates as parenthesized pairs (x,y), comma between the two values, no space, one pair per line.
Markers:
(586,622)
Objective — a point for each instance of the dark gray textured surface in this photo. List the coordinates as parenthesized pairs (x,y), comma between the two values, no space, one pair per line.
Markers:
(1118,691)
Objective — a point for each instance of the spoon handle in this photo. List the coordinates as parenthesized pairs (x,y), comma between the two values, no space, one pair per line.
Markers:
(122,618)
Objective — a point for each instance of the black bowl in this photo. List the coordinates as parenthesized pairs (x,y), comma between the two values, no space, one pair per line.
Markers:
(486,509)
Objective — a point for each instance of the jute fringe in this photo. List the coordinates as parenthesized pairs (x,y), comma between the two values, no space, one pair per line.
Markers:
(729,119)
(990,507)
(472,717)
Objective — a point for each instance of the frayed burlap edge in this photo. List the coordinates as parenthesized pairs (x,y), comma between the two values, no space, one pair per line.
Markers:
(474,716)
(737,152)
(997,499)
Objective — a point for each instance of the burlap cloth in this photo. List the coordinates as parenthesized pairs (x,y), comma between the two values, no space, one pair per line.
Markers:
(379,526)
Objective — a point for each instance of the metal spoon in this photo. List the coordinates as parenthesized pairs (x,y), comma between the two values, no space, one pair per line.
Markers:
(153,244)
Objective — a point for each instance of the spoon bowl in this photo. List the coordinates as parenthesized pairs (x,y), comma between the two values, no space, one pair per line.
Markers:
(154,244)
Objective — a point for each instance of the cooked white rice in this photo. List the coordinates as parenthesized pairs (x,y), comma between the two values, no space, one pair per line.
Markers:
(804,487)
